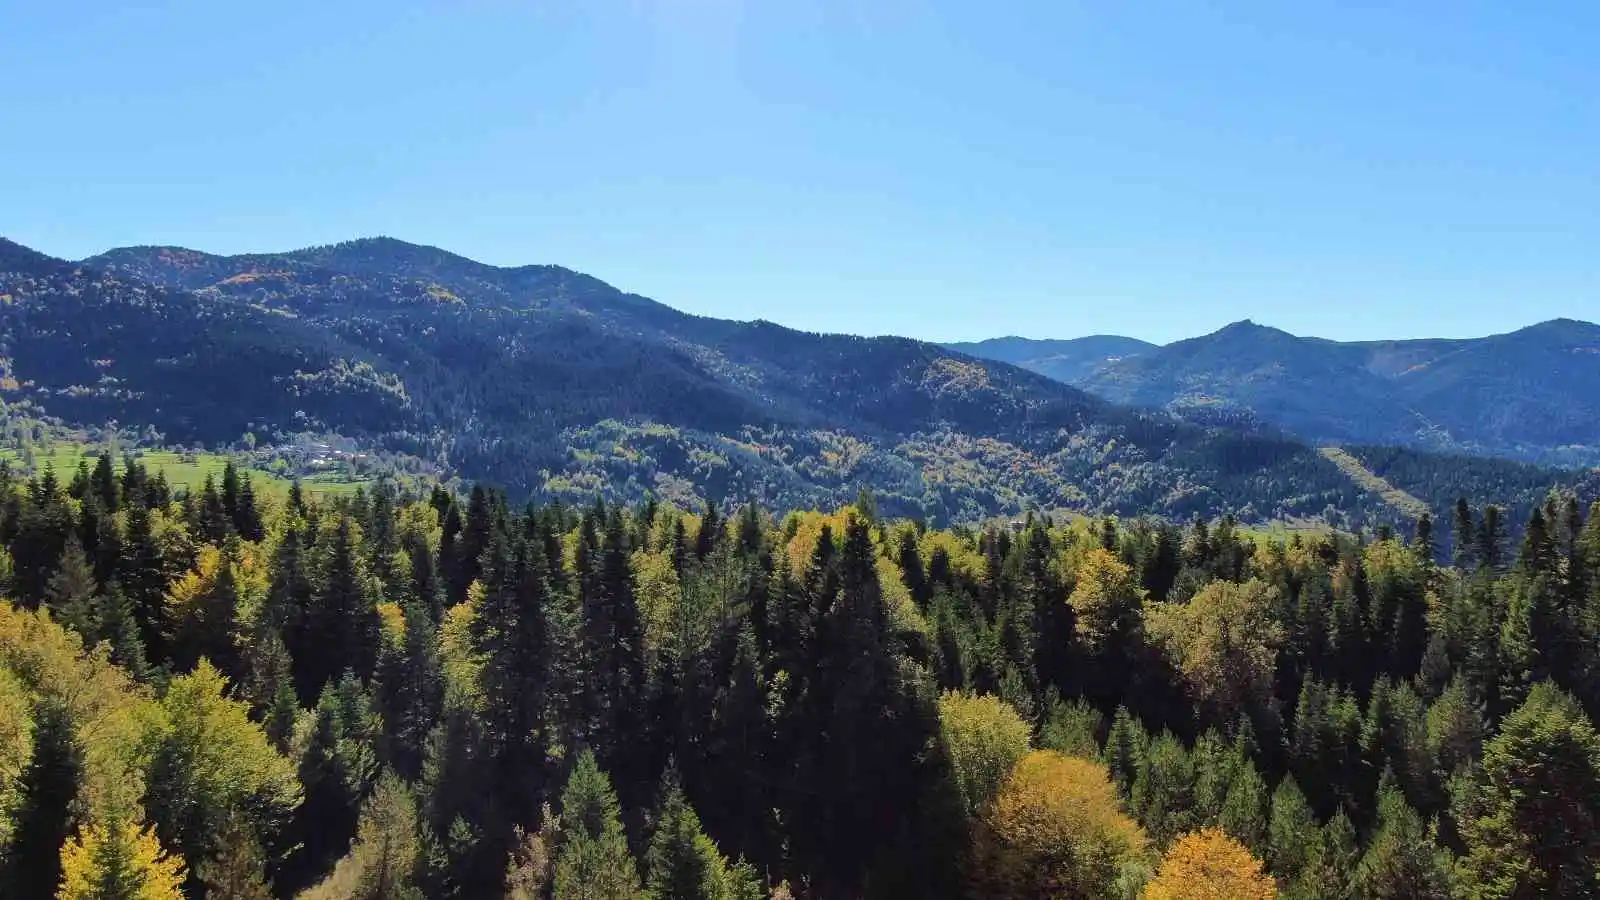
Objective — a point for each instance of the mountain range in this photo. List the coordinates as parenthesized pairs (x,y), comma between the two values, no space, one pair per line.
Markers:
(553,383)
(1533,394)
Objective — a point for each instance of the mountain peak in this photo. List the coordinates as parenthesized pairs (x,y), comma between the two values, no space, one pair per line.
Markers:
(16,258)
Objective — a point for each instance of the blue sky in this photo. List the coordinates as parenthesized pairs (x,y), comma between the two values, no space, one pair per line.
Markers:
(942,169)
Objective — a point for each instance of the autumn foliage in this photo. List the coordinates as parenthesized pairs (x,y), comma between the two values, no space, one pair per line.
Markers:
(1055,830)
(1209,865)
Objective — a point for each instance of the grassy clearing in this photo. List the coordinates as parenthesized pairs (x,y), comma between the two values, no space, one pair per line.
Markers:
(1407,504)
(183,470)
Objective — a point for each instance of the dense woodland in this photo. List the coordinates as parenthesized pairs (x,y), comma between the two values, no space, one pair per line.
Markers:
(560,387)
(243,694)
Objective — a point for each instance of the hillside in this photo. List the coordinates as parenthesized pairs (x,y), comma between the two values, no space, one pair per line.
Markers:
(1531,394)
(1068,360)
(557,385)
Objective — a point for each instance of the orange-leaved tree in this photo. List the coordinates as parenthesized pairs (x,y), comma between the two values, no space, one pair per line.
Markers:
(1055,830)
(1209,865)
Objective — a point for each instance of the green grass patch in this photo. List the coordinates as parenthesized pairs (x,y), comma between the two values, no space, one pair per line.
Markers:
(186,471)
(1407,504)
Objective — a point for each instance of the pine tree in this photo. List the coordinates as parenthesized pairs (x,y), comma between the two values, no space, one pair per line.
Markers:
(1244,811)
(383,861)
(31,866)
(71,589)
(1491,537)
(411,692)
(247,516)
(212,521)
(1291,832)
(1422,541)
(343,620)
(1163,792)
(511,635)
(103,484)
(1402,860)
(1532,823)
(237,871)
(683,863)
(326,820)
(1464,538)
(592,862)
(1125,749)
(1332,862)
(115,624)
(143,576)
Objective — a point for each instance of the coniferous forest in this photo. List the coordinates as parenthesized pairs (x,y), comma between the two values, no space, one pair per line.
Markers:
(243,692)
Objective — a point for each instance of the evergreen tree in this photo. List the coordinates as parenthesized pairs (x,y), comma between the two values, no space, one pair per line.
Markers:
(115,625)
(1291,832)
(326,820)
(1491,537)
(1531,824)
(683,863)
(70,591)
(1422,541)
(1464,538)
(103,485)
(212,521)
(1402,860)
(237,871)
(143,576)
(343,620)
(45,814)
(411,692)
(247,516)
(1125,750)
(511,635)
(593,862)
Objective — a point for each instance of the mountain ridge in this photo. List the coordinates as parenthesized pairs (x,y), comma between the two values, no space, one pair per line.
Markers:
(1522,394)
(554,383)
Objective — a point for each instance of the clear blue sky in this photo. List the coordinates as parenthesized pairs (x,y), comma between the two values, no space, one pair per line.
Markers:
(943,169)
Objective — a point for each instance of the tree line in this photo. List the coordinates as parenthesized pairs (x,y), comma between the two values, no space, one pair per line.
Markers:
(236,692)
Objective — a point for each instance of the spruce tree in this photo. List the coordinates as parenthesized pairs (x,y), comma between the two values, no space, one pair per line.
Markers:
(237,871)
(683,863)
(31,866)
(593,862)
(1463,538)
(71,589)
(411,692)
(247,516)
(143,576)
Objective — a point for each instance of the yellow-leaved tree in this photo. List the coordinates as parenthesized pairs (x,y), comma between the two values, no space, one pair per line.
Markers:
(1224,642)
(1209,865)
(119,860)
(1107,600)
(985,736)
(1055,829)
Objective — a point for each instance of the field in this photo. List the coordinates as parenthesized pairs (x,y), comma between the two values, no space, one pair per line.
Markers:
(182,470)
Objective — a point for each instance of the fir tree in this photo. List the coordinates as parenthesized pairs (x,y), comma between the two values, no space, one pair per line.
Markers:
(45,815)
(593,862)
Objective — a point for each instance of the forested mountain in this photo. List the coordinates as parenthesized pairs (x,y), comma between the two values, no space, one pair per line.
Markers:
(1068,360)
(236,693)
(1532,394)
(555,384)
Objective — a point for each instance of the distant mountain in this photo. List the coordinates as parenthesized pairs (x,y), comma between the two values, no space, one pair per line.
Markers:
(556,384)
(1068,360)
(1533,394)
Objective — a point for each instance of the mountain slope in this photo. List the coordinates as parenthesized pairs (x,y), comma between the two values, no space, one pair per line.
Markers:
(556,384)
(1068,360)
(1531,394)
